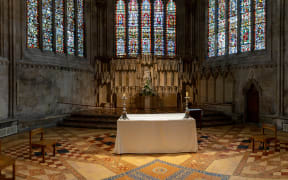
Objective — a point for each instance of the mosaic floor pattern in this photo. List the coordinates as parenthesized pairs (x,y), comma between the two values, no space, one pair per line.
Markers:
(84,154)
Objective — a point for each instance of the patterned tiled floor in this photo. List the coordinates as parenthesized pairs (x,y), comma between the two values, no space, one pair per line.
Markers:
(88,154)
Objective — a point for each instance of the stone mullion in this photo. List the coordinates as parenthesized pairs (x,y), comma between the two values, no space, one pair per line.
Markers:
(76,27)
(65,26)
(252,14)
(239,19)
(127,29)
(227,27)
(53,26)
(40,35)
(139,28)
(152,27)
(216,27)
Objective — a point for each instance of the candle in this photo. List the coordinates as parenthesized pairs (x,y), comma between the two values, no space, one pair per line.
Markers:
(124,95)
(186,93)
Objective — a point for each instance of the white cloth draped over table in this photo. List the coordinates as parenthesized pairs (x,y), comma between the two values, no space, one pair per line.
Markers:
(156,133)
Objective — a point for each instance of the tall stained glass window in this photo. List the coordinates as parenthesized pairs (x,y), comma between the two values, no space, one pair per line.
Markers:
(149,25)
(47,21)
(70,27)
(80,27)
(260,24)
(221,27)
(120,28)
(54,35)
(233,24)
(146,27)
(32,24)
(171,28)
(245,31)
(133,28)
(211,28)
(158,28)
(59,23)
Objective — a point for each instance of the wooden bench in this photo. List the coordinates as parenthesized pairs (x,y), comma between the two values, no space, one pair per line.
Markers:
(264,138)
(6,161)
(42,143)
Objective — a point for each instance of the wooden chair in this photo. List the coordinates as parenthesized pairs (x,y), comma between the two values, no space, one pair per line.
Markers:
(42,143)
(263,138)
(6,161)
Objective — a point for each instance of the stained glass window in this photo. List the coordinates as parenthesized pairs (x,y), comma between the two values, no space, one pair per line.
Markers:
(146,27)
(245,25)
(211,28)
(53,35)
(238,31)
(47,24)
(221,27)
(133,28)
(260,24)
(158,28)
(32,24)
(70,27)
(120,28)
(233,26)
(171,28)
(80,27)
(59,23)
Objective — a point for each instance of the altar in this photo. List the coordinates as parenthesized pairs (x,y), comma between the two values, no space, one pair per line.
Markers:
(156,133)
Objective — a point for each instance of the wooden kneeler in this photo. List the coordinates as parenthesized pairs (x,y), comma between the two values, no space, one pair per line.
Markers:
(42,143)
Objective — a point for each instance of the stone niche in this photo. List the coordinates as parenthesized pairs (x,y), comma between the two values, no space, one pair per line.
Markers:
(129,76)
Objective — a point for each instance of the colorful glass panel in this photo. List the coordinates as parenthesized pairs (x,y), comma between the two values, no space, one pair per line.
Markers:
(158,28)
(233,26)
(32,24)
(59,25)
(47,31)
(146,27)
(211,28)
(221,27)
(133,28)
(120,28)
(260,24)
(171,28)
(80,27)
(70,27)
(245,32)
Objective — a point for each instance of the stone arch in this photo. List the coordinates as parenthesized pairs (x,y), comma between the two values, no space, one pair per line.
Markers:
(249,84)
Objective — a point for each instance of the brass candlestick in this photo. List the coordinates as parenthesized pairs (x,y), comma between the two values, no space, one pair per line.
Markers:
(124,113)
(187,109)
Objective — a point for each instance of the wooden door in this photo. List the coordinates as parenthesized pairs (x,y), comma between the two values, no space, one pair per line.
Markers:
(252,105)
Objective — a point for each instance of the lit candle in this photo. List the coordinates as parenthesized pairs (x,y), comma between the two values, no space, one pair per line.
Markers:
(124,95)
(186,93)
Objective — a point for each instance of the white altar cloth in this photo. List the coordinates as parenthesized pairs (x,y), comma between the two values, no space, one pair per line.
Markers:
(156,133)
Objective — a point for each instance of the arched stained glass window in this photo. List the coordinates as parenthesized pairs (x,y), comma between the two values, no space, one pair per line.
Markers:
(221,27)
(245,25)
(59,23)
(245,30)
(146,27)
(260,24)
(47,20)
(171,28)
(158,28)
(120,28)
(80,27)
(233,26)
(32,24)
(133,28)
(70,27)
(211,28)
